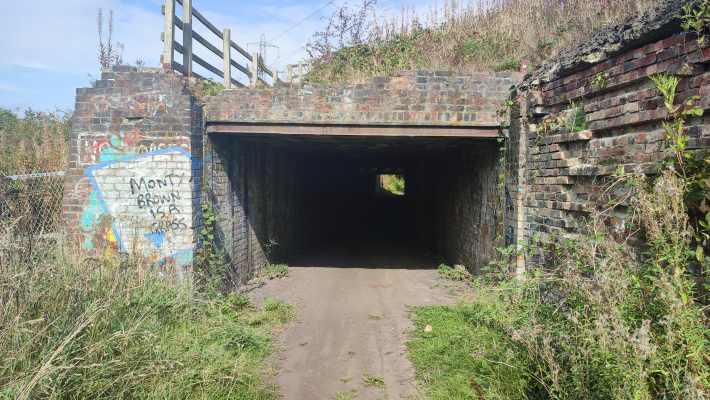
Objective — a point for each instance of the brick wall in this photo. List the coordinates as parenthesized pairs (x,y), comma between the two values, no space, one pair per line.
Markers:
(435,98)
(133,181)
(458,202)
(560,180)
(256,192)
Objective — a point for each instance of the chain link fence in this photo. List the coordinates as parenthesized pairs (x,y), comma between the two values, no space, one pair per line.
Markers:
(30,212)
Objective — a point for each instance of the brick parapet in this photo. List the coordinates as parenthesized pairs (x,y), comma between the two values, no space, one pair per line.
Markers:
(421,98)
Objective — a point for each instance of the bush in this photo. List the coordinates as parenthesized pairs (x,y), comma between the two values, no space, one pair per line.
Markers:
(106,329)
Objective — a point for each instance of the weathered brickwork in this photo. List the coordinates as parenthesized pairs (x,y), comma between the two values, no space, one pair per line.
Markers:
(256,193)
(134,178)
(429,98)
(563,173)
(468,205)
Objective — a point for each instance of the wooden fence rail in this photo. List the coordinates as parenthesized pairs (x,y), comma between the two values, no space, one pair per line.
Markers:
(254,68)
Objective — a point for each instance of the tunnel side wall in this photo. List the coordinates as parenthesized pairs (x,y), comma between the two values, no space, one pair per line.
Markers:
(467,206)
(252,191)
(557,177)
(134,171)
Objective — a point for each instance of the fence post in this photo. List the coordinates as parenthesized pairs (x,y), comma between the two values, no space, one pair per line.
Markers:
(227,53)
(169,34)
(254,67)
(187,37)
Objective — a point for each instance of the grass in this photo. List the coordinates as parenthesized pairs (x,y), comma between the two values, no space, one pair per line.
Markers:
(275,271)
(455,273)
(107,329)
(374,381)
(460,359)
(601,320)
(350,395)
(499,35)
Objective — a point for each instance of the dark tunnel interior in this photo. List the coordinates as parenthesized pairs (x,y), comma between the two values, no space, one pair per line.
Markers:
(313,201)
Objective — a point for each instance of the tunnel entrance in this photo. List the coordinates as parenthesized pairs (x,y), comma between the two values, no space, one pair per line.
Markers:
(365,201)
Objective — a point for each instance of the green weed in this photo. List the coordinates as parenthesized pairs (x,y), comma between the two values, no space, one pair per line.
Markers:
(455,273)
(275,271)
(350,395)
(696,19)
(374,381)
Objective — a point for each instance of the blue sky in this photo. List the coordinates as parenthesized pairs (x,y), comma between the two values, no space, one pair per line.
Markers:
(49,46)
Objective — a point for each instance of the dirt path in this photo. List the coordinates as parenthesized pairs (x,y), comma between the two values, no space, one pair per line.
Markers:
(352,324)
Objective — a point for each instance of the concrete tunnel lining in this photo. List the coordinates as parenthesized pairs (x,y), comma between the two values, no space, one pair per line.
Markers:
(288,198)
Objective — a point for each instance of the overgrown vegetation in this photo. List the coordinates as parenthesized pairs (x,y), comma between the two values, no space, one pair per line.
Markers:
(697,20)
(274,271)
(604,322)
(499,35)
(455,273)
(110,329)
(610,316)
(33,142)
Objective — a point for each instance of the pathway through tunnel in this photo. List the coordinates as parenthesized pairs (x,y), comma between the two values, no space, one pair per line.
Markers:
(362,223)
(363,201)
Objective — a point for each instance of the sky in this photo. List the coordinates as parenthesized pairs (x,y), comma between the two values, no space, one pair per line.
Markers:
(49,47)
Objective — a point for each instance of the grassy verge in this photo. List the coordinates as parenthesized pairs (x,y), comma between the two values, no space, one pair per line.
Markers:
(107,329)
(460,358)
(498,35)
(602,320)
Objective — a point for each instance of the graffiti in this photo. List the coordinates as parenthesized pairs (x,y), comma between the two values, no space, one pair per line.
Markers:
(148,198)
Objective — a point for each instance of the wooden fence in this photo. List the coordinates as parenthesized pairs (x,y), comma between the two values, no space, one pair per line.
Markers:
(253,68)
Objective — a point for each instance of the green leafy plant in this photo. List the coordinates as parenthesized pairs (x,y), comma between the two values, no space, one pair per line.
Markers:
(696,19)
(600,81)
(577,119)
(209,263)
(692,167)
(499,269)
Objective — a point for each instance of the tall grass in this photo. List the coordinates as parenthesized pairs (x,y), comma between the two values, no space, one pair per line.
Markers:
(483,35)
(87,328)
(33,142)
(606,320)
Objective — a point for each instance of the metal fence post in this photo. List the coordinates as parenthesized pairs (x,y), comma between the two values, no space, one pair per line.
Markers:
(227,53)
(187,37)
(169,34)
